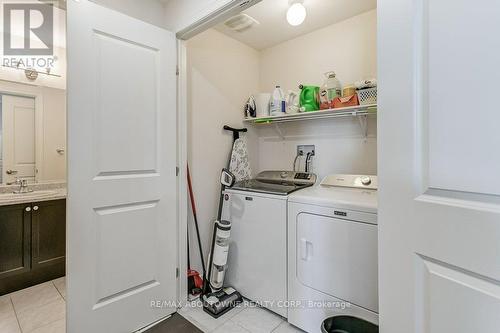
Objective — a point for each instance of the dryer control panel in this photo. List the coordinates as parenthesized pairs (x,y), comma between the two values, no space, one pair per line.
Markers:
(357,181)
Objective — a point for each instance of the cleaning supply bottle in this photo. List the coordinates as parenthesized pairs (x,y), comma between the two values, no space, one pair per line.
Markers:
(330,90)
(278,104)
(309,98)
(292,102)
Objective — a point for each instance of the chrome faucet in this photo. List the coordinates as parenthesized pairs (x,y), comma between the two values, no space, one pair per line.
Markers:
(23,186)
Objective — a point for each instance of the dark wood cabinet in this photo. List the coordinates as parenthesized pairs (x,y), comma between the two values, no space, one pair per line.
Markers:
(48,234)
(15,239)
(32,244)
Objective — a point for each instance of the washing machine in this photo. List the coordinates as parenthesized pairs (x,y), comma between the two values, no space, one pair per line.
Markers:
(332,251)
(257,261)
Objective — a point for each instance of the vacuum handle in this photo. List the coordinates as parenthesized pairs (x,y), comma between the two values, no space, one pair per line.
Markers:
(206,280)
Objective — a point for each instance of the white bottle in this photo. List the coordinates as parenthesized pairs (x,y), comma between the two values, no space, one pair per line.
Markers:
(278,106)
(330,90)
(292,102)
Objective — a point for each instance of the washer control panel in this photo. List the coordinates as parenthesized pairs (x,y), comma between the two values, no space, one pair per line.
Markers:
(302,175)
(292,177)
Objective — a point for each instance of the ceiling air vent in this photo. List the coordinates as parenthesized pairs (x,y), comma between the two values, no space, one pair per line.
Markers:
(240,22)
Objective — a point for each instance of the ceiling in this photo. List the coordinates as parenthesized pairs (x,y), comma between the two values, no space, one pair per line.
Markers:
(274,29)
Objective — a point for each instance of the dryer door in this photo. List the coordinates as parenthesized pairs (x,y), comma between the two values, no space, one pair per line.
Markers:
(338,257)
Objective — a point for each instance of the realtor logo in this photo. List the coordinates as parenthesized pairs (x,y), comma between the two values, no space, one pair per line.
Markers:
(37,22)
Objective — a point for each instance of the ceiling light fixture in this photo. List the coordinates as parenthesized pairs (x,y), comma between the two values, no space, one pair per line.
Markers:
(296,13)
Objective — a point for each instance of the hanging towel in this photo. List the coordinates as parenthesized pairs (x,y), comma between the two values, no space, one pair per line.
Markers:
(240,165)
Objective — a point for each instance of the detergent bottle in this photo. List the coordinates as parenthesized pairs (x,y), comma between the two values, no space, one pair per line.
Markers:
(309,98)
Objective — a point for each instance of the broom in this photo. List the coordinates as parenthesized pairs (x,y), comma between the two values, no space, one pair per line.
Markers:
(195,282)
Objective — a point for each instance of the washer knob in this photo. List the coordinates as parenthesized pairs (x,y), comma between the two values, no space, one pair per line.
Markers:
(284,174)
(365,180)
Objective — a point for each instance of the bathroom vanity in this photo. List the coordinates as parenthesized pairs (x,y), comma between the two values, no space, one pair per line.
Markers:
(32,183)
(32,238)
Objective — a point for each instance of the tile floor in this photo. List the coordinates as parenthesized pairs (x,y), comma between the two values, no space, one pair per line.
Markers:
(41,309)
(246,318)
(37,309)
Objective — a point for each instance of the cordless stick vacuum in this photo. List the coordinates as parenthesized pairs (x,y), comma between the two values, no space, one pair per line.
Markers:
(217,299)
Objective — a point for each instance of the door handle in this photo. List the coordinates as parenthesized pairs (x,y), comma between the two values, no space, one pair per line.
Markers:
(28,209)
(305,249)
(35,207)
(11,172)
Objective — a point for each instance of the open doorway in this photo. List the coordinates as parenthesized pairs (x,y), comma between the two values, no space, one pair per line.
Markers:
(249,55)
(33,178)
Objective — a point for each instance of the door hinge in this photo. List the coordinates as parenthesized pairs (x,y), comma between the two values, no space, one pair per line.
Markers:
(176,171)
(177,70)
(177,272)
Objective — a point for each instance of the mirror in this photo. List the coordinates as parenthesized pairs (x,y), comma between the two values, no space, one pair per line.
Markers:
(32,133)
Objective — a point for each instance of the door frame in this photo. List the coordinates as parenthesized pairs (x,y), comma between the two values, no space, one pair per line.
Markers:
(24,90)
(215,16)
(182,155)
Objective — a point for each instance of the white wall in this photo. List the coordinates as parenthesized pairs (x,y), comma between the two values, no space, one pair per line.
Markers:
(54,134)
(340,146)
(349,48)
(59,82)
(151,11)
(222,73)
(59,57)
(180,14)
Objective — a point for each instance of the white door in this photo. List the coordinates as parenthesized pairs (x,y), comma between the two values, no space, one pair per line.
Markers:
(18,141)
(121,238)
(439,191)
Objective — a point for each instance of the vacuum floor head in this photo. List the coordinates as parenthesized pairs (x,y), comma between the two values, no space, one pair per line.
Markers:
(220,302)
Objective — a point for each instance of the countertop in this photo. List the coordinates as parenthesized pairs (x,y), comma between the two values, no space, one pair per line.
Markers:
(41,192)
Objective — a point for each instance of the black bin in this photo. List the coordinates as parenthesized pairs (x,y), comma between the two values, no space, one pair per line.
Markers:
(347,324)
